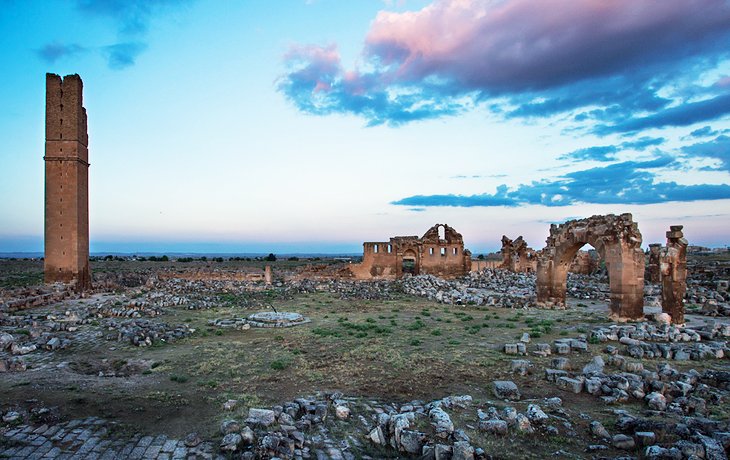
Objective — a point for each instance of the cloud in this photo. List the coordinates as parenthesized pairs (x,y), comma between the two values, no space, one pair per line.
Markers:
(608,60)
(608,152)
(123,55)
(316,83)
(683,115)
(718,149)
(643,143)
(597,153)
(132,19)
(703,132)
(628,182)
(132,16)
(52,52)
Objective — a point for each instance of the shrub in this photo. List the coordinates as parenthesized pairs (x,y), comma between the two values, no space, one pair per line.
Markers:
(279,364)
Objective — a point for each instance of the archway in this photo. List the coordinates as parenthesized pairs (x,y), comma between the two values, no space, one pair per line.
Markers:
(618,241)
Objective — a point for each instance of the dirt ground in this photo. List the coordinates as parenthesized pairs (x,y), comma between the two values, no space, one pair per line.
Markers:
(395,350)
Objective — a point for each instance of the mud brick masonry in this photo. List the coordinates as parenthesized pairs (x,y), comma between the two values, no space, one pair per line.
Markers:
(434,254)
(67,183)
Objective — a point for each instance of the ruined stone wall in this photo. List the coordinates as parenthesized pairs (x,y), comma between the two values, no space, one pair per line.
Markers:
(431,254)
(66,183)
(212,275)
(478,265)
(444,260)
(584,263)
(517,256)
(378,261)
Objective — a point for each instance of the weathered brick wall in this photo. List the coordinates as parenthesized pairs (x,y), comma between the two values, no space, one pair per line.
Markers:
(67,183)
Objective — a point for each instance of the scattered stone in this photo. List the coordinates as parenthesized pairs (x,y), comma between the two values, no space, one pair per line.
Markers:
(230,442)
(506,389)
(595,366)
(263,417)
(568,384)
(498,427)
(342,412)
(623,442)
(597,429)
(230,404)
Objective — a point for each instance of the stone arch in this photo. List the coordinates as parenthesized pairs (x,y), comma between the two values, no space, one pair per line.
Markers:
(618,241)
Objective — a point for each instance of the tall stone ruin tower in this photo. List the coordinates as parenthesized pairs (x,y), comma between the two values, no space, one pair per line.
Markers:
(67,183)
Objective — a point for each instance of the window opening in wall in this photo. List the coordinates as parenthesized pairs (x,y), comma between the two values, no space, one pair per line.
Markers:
(443,252)
(456,251)
(442,232)
(430,251)
(375,248)
(390,248)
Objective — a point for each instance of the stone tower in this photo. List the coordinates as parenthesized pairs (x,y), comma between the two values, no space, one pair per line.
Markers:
(67,183)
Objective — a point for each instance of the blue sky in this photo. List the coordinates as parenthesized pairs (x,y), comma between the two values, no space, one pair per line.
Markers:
(311,126)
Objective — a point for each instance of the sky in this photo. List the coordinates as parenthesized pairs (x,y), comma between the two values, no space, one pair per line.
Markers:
(315,125)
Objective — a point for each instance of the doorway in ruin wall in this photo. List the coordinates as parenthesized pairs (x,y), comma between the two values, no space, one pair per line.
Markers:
(409,263)
(617,240)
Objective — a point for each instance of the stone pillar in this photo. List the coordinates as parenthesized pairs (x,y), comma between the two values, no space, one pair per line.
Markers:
(507,262)
(267,275)
(653,271)
(674,274)
(626,280)
(551,278)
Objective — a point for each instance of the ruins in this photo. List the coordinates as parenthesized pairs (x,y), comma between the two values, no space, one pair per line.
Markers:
(67,183)
(517,256)
(172,358)
(653,274)
(618,241)
(673,263)
(440,251)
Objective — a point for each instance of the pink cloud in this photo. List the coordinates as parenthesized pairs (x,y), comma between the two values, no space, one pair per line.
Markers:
(524,44)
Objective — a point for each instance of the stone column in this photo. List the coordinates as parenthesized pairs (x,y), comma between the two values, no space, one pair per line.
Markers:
(653,271)
(674,274)
(507,262)
(267,275)
(626,280)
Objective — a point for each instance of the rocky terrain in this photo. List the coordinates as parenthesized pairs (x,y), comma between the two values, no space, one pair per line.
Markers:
(167,367)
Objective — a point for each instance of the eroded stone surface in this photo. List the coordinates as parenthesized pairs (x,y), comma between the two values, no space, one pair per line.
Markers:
(617,239)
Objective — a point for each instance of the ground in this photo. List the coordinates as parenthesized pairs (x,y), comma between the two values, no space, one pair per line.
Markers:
(398,348)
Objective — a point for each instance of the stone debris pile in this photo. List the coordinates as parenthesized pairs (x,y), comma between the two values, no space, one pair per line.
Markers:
(348,289)
(477,288)
(265,319)
(131,309)
(666,341)
(309,427)
(20,299)
(144,333)
(666,389)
